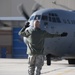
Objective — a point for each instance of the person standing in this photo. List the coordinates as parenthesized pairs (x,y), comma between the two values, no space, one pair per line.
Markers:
(35,37)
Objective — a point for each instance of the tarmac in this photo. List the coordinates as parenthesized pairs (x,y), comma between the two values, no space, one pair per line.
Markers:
(20,67)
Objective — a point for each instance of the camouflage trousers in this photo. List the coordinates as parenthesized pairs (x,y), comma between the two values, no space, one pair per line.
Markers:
(35,64)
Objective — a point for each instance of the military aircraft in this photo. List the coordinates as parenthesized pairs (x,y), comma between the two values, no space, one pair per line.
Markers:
(56,21)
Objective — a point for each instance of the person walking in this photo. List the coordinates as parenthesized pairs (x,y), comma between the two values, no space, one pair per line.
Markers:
(35,37)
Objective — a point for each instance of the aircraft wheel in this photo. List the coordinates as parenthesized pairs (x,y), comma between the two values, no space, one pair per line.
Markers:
(48,58)
(71,61)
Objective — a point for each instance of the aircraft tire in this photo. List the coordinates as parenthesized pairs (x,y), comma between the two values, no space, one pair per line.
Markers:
(48,58)
(71,61)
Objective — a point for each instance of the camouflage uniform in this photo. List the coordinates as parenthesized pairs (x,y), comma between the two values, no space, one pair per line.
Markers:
(35,61)
(35,47)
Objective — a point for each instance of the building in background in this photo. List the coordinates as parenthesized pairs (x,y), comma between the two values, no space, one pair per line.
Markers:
(11,21)
(10,8)
(11,44)
(5,42)
(58,4)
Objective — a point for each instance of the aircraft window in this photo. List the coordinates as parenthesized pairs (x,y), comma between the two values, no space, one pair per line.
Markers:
(58,20)
(53,14)
(53,19)
(31,18)
(45,23)
(44,17)
(69,21)
(56,15)
(37,17)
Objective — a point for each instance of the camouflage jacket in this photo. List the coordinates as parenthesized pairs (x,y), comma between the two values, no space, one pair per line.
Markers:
(35,38)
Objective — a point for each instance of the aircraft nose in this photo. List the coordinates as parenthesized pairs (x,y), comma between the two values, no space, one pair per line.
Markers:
(31,23)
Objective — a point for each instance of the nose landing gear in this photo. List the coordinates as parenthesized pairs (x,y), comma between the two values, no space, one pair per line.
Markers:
(48,58)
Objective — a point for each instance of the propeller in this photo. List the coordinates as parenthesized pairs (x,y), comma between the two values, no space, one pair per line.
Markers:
(3,24)
(23,11)
(36,7)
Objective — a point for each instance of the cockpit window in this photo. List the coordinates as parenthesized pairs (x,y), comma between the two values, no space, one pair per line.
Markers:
(58,20)
(44,17)
(53,17)
(31,18)
(37,17)
(53,14)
